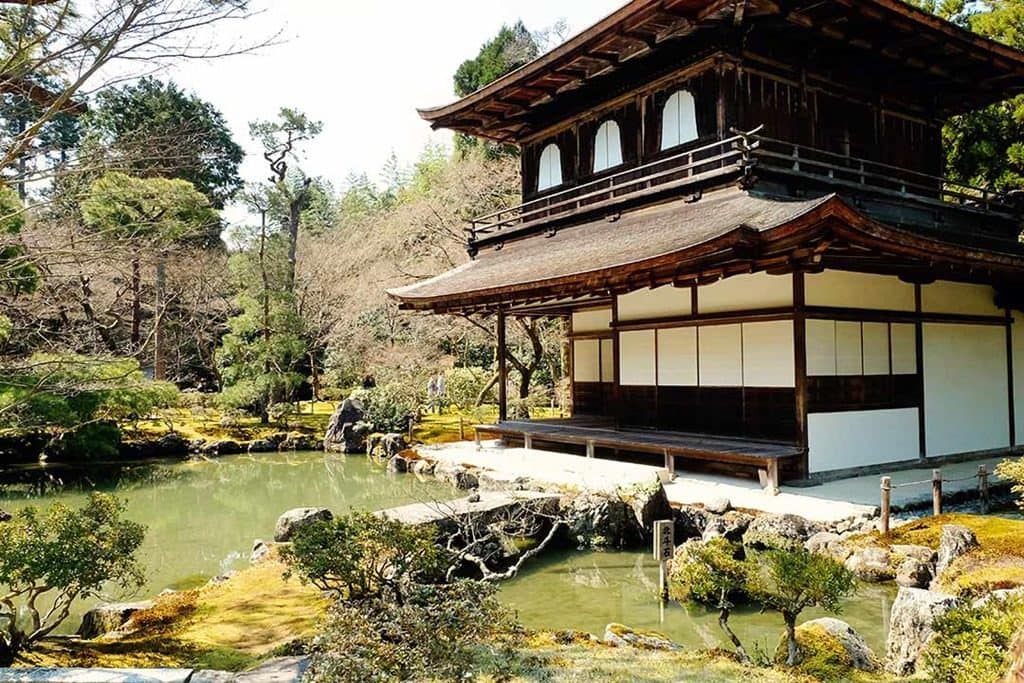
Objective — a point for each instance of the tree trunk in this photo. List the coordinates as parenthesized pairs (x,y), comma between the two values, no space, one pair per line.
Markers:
(136,337)
(793,651)
(724,612)
(482,396)
(159,339)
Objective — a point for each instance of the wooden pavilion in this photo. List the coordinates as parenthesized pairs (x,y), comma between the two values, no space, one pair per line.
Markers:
(740,206)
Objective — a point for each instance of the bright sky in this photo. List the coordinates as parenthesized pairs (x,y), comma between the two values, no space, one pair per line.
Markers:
(362,67)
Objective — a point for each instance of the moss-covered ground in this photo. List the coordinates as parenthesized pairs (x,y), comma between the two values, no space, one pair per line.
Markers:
(997,563)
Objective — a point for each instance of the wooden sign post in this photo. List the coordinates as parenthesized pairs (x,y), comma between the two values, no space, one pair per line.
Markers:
(664,550)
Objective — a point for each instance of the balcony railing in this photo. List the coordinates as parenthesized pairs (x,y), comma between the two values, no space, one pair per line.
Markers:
(738,156)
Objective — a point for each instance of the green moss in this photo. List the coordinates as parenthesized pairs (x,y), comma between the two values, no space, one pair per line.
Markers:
(824,656)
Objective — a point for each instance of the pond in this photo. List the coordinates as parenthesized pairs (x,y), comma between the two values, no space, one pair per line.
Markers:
(202,517)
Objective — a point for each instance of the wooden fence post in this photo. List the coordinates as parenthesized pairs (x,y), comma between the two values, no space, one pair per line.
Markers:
(886,504)
(462,429)
(983,488)
(937,492)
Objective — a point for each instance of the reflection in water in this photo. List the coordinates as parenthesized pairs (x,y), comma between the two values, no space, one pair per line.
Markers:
(587,590)
(203,515)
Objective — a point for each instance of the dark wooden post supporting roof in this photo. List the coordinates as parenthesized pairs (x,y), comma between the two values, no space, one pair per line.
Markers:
(800,365)
(502,369)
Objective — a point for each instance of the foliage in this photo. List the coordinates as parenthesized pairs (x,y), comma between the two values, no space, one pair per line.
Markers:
(463,386)
(62,554)
(18,272)
(790,581)
(183,136)
(973,643)
(443,633)
(391,405)
(1013,470)
(708,572)
(823,655)
(158,209)
(363,555)
(79,397)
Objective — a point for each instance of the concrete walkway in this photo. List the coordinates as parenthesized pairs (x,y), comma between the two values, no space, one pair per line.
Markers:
(278,670)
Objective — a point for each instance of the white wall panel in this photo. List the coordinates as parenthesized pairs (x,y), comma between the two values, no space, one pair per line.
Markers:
(1018,376)
(744,292)
(607,361)
(958,297)
(876,348)
(677,357)
(636,358)
(663,302)
(858,290)
(597,320)
(904,348)
(721,356)
(821,348)
(965,383)
(586,366)
(768,356)
(849,352)
(860,438)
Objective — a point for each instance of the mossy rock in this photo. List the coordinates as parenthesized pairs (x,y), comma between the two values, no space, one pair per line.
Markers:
(619,635)
(830,650)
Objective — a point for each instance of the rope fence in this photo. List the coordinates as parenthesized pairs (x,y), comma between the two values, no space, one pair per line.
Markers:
(936,482)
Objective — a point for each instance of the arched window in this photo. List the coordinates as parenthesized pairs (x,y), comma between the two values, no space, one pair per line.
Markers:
(607,146)
(550,172)
(678,120)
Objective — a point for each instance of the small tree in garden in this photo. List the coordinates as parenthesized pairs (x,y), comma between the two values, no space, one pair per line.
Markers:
(1013,470)
(59,556)
(790,581)
(711,574)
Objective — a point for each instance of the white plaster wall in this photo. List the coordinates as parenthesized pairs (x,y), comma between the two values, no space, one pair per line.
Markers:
(607,361)
(768,356)
(636,358)
(586,366)
(858,290)
(959,297)
(904,348)
(597,320)
(849,352)
(677,357)
(860,438)
(1018,376)
(965,383)
(876,348)
(821,348)
(721,356)
(663,302)
(743,292)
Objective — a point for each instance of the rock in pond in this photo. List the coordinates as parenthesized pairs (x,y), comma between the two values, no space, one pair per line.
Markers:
(618,635)
(822,542)
(386,446)
(910,629)
(103,619)
(778,532)
(649,503)
(347,429)
(690,523)
(956,541)
(831,641)
(731,526)
(871,564)
(914,573)
(597,521)
(293,520)
(718,506)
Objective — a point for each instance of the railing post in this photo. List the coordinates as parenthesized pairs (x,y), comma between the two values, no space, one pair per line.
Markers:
(937,492)
(983,488)
(886,505)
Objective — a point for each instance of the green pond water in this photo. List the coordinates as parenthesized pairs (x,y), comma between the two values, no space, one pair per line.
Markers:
(202,517)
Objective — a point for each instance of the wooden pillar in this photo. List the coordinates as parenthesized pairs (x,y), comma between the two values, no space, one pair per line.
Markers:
(800,365)
(502,369)
(886,505)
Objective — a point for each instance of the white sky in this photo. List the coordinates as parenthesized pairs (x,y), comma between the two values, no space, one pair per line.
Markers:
(361,67)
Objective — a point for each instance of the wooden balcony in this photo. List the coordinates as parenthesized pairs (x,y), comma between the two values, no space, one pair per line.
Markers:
(744,154)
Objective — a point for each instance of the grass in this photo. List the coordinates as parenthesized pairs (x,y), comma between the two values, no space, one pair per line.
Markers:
(231,626)
(444,428)
(997,563)
(199,422)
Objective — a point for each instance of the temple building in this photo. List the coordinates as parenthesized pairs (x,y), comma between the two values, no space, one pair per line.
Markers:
(740,206)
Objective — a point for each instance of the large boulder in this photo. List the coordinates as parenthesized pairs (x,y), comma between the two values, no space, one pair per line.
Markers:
(911,627)
(871,564)
(822,542)
(830,649)
(914,573)
(347,428)
(618,635)
(293,520)
(778,532)
(456,475)
(718,506)
(386,446)
(956,540)
(105,618)
(731,526)
(649,504)
(595,521)
(689,523)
